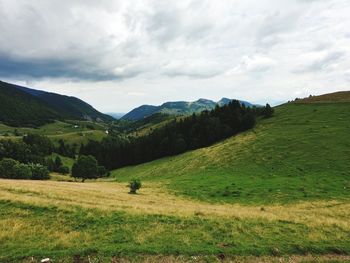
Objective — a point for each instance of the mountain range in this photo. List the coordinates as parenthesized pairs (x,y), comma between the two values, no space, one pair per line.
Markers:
(177,108)
(21,106)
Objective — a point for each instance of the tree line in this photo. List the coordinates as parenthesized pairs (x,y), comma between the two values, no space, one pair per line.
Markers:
(29,158)
(177,136)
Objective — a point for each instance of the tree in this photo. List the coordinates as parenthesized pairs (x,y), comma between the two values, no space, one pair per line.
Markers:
(102,171)
(63,169)
(85,168)
(58,163)
(248,121)
(134,185)
(50,164)
(40,145)
(268,111)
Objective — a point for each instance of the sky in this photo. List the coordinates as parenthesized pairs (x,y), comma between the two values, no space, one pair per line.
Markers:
(117,55)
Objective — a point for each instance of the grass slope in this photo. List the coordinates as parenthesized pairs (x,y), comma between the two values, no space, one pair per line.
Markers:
(302,153)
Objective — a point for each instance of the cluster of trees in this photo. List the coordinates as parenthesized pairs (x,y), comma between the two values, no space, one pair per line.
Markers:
(31,149)
(12,169)
(28,158)
(177,136)
(68,150)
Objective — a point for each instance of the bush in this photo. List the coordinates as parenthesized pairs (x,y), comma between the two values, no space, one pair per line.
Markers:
(22,171)
(134,185)
(39,172)
(7,168)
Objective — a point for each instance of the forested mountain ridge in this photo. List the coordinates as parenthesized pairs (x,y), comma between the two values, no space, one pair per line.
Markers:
(22,106)
(18,108)
(178,108)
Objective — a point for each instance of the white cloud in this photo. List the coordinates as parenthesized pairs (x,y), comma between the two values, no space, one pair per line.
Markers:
(119,54)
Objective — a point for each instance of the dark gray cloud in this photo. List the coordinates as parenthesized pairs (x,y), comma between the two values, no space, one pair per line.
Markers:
(24,69)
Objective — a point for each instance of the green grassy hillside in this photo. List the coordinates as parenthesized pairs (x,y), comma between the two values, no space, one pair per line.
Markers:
(302,153)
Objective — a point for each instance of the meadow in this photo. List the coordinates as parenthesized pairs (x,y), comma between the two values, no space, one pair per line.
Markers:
(66,219)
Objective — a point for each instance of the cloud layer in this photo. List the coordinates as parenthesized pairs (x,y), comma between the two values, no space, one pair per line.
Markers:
(118,54)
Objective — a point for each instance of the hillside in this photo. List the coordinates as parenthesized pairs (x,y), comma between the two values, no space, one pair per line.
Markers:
(28,107)
(296,155)
(177,108)
(18,108)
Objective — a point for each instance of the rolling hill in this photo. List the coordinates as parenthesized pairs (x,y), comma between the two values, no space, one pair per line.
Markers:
(28,107)
(301,153)
(177,108)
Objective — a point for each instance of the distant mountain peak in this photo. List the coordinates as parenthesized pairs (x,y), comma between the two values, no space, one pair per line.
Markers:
(205,101)
(177,108)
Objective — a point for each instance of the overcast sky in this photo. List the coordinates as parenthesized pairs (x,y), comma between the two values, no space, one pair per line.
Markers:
(120,54)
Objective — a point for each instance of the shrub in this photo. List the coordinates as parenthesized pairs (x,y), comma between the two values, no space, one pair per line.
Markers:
(39,172)
(22,171)
(7,168)
(134,185)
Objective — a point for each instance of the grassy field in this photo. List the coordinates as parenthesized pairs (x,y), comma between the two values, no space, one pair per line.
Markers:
(300,154)
(70,131)
(63,219)
(279,193)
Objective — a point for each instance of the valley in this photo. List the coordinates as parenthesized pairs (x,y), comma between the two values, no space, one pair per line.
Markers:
(274,191)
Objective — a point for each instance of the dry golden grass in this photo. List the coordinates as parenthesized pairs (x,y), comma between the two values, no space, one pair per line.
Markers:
(108,196)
